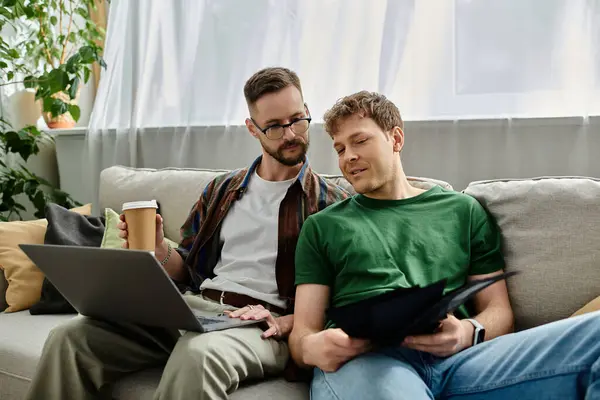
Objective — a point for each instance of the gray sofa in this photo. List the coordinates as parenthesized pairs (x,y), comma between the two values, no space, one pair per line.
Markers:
(551,230)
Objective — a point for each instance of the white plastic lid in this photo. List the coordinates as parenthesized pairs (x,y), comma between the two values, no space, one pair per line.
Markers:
(132,205)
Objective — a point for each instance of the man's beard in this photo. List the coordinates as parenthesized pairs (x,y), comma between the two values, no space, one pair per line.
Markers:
(289,161)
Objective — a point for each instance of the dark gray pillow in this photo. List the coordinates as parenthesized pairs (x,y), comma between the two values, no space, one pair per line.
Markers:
(66,228)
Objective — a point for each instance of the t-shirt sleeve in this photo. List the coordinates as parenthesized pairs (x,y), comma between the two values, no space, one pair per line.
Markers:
(486,242)
(312,265)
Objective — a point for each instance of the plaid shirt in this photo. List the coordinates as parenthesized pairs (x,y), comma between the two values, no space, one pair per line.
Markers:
(201,244)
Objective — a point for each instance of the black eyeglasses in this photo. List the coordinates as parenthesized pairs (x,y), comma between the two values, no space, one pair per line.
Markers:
(276,131)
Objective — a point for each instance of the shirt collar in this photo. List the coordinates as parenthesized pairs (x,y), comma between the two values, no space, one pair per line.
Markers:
(303,177)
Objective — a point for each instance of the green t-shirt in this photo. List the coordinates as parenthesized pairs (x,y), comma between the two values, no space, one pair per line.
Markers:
(362,247)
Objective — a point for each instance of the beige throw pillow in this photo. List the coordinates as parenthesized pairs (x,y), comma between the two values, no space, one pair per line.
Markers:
(593,305)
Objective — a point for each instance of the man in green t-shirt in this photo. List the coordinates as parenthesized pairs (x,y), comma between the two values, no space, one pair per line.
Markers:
(392,235)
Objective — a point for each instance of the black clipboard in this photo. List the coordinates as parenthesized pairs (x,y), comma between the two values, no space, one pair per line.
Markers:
(388,318)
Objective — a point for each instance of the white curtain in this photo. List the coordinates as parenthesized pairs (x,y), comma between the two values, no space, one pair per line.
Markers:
(176,68)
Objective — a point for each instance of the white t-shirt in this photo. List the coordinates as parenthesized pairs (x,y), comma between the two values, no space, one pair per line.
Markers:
(250,236)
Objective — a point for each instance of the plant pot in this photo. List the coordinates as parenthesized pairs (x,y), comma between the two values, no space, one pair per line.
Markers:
(64,121)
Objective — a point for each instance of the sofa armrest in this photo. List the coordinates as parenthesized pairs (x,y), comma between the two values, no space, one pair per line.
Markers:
(3,287)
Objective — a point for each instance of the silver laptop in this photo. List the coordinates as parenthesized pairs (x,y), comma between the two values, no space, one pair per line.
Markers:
(121,285)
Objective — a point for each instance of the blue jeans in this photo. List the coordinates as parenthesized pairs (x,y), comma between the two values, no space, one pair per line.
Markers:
(560,360)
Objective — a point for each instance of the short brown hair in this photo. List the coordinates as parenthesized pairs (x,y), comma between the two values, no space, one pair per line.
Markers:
(366,104)
(269,80)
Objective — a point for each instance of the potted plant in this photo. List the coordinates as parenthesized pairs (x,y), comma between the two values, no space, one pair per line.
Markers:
(57,44)
(18,181)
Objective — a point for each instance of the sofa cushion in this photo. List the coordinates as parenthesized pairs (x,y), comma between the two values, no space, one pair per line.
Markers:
(592,306)
(551,232)
(178,189)
(65,228)
(23,277)
(22,337)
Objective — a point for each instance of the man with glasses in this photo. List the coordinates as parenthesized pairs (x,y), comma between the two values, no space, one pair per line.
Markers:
(237,256)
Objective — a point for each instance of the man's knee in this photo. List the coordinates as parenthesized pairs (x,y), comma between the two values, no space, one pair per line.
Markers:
(370,376)
(70,332)
(195,355)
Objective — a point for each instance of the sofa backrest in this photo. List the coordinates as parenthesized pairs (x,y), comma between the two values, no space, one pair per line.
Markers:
(551,232)
(178,189)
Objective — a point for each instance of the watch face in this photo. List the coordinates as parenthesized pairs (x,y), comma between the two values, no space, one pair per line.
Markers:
(481,336)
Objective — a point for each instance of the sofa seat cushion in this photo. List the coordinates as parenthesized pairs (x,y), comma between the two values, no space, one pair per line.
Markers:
(551,232)
(143,384)
(22,338)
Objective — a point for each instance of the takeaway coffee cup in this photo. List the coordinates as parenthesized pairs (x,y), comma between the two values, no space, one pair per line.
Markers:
(140,217)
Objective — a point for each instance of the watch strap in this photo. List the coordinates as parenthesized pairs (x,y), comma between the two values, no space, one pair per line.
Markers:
(479,333)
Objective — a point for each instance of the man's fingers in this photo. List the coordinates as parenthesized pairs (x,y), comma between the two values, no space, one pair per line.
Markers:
(349,346)
(237,313)
(122,217)
(125,244)
(439,350)
(435,339)
(159,219)
(272,331)
(122,234)
(256,314)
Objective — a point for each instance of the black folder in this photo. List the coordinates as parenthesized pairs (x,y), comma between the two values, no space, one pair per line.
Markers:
(388,318)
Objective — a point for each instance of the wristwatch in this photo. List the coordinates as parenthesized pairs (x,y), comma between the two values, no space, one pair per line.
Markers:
(479,334)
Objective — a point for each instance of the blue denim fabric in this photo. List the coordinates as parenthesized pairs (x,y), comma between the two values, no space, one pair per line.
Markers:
(560,360)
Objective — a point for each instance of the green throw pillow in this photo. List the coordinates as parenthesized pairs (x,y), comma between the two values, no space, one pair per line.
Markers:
(111,239)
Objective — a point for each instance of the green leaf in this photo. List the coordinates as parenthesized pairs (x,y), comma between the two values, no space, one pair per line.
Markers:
(72,63)
(48,101)
(102,63)
(86,74)
(13,53)
(29,82)
(58,107)
(30,187)
(58,80)
(39,201)
(9,3)
(42,92)
(75,111)
(87,54)
(10,75)
(53,20)
(3,64)
(18,188)
(73,88)
(83,12)
(29,11)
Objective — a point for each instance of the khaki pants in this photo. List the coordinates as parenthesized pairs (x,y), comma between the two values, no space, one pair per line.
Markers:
(83,356)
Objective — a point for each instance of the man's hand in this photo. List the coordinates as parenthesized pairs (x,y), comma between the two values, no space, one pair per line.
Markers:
(160,236)
(452,336)
(278,328)
(331,348)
